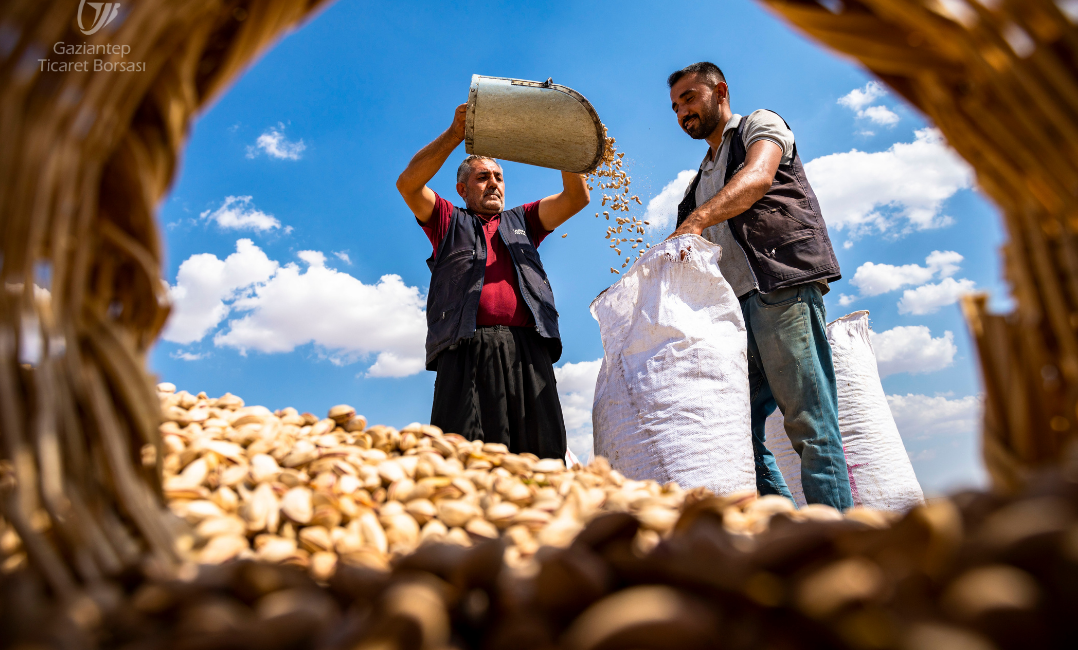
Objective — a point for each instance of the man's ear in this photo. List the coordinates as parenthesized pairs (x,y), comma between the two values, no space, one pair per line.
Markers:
(722,91)
(461,191)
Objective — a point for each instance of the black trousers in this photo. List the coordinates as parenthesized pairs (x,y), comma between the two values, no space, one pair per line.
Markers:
(498,386)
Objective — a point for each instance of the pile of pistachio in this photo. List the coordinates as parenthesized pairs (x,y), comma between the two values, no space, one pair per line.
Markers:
(292,488)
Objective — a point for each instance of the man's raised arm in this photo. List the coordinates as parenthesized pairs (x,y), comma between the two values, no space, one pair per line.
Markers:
(556,209)
(746,188)
(412,183)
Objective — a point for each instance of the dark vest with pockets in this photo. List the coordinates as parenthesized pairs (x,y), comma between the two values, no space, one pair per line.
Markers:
(457,272)
(783,234)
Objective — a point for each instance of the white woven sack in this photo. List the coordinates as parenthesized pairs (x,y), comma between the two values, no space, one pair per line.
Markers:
(672,396)
(881,475)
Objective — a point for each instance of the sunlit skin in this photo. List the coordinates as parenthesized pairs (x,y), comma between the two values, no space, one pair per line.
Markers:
(702,111)
(484,190)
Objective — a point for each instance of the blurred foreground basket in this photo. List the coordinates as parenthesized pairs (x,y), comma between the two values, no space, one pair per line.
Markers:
(86,156)
(1002,85)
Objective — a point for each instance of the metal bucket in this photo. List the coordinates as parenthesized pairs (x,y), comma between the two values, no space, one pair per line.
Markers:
(531,122)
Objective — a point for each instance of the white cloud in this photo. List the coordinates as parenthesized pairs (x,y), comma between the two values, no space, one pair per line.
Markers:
(880,115)
(343,256)
(859,98)
(189,356)
(912,349)
(893,191)
(921,416)
(343,317)
(662,210)
(237,213)
(274,143)
(289,306)
(576,389)
(390,364)
(872,279)
(929,298)
(945,263)
(312,258)
(203,285)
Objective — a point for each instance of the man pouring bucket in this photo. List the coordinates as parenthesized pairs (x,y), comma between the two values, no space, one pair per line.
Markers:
(492,329)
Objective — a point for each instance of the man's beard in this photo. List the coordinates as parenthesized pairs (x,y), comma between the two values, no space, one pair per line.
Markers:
(703,126)
(490,202)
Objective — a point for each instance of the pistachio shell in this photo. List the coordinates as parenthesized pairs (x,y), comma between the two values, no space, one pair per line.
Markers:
(341,413)
(402,532)
(356,423)
(454,513)
(502,514)
(315,539)
(533,519)
(422,510)
(434,530)
(481,528)
(658,518)
(373,533)
(221,549)
(390,471)
(458,536)
(323,565)
(296,505)
(272,548)
(218,526)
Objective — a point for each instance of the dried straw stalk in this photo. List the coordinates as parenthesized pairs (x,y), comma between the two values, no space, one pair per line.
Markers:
(86,157)
(1002,85)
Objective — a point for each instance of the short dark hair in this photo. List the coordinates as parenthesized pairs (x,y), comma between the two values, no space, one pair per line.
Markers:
(707,70)
(465,168)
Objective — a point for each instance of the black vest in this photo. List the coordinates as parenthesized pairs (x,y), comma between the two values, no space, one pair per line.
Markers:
(457,272)
(783,234)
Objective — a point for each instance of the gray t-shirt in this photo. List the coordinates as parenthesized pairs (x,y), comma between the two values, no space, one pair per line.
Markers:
(761,125)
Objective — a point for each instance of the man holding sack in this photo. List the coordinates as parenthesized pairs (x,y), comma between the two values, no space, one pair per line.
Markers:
(752,198)
(492,330)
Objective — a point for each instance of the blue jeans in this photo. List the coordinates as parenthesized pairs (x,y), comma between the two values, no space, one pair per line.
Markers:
(790,365)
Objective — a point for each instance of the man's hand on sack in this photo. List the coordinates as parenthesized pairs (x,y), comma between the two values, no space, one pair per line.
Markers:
(692,225)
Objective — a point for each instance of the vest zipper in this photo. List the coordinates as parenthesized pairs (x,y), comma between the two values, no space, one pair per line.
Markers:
(473,256)
(520,279)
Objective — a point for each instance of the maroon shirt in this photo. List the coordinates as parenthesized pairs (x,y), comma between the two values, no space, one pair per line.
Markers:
(500,303)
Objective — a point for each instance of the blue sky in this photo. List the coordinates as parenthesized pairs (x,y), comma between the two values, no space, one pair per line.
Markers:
(321,300)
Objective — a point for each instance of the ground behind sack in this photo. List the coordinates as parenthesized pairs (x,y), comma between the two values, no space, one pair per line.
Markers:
(672,396)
